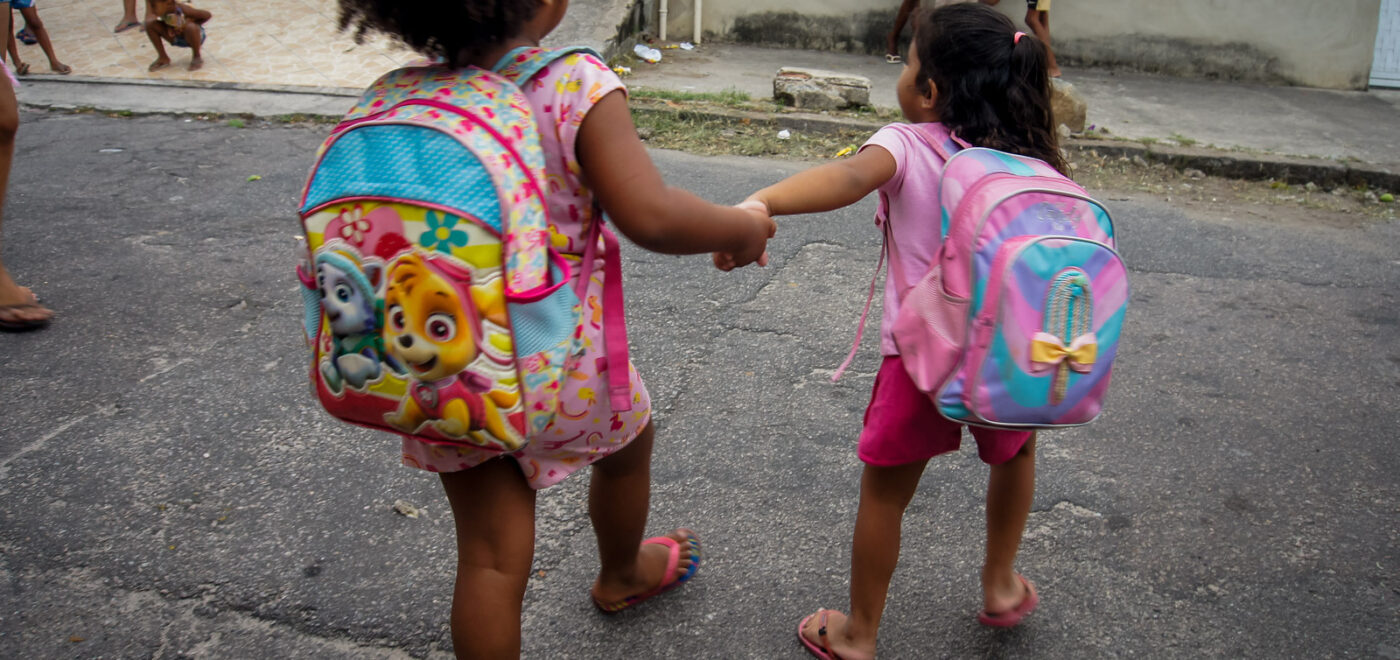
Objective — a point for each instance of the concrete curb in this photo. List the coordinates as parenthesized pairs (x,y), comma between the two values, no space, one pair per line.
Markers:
(1215,162)
(1231,164)
(350,92)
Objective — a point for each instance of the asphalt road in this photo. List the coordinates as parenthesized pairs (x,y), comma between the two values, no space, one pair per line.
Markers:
(168,488)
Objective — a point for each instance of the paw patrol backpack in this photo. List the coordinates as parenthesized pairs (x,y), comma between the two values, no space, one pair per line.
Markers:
(1017,321)
(434,304)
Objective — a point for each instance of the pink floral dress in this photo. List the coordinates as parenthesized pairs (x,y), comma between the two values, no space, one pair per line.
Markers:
(585,428)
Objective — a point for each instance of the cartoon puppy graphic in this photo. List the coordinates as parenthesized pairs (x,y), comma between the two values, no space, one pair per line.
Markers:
(432,327)
(347,290)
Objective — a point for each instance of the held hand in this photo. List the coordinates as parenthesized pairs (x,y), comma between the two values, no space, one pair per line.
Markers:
(762,229)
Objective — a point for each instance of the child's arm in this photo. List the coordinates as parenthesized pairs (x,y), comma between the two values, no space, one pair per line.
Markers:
(199,16)
(831,186)
(647,211)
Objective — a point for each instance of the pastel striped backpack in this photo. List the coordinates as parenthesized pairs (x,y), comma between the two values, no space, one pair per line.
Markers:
(1017,321)
(434,304)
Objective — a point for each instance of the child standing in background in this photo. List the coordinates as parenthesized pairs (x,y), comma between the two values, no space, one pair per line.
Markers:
(970,79)
(1038,20)
(35,26)
(594,162)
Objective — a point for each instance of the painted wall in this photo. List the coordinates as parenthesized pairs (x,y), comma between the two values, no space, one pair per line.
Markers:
(1326,43)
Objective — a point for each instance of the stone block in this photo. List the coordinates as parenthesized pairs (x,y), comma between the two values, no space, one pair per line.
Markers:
(1069,107)
(816,89)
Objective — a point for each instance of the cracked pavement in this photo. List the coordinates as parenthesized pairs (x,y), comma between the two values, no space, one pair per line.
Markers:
(168,488)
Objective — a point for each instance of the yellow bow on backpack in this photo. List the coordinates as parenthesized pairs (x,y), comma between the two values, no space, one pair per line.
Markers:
(1047,350)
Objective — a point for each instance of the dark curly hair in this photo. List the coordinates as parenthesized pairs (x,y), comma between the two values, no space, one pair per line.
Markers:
(993,89)
(458,32)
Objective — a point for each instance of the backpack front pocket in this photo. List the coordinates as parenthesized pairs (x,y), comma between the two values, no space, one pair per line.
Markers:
(1045,333)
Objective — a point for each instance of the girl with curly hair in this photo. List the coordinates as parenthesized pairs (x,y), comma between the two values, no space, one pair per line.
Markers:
(594,162)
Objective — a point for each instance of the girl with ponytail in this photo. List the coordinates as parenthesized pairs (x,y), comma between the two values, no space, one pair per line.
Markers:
(970,79)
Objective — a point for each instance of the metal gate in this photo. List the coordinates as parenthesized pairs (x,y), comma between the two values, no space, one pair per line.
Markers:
(1385,66)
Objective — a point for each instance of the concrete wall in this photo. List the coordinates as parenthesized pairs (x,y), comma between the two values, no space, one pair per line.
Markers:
(1327,43)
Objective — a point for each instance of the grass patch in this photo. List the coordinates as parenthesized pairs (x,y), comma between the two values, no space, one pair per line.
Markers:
(1183,140)
(730,97)
(237,123)
(714,137)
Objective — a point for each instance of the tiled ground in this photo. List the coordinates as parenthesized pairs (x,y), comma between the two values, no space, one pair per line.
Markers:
(282,42)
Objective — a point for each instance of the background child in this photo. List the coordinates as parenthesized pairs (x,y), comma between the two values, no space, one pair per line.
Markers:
(35,26)
(180,24)
(592,154)
(970,78)
(1038,20)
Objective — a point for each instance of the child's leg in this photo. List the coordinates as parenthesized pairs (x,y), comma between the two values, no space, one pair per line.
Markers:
(494,509)
(154,30)
(36,25)
(885,493)
(1039,23)
(20,67)
(194,36)
(1009,492)
(619,496)
(128,17)
(19,304)
(905,10)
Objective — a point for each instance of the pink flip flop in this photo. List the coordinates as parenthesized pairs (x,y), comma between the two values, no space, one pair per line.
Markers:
(1011,617)
(671,580)
(824,651)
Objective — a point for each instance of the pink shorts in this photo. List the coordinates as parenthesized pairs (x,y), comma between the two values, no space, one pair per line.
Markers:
(903,426)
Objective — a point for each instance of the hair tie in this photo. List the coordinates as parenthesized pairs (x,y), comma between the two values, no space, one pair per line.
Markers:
(1017,39)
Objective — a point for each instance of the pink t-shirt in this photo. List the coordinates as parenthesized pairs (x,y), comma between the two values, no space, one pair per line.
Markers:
(910,200)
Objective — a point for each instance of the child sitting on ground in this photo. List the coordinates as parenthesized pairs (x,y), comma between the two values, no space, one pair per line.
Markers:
(179,23)
(34,26)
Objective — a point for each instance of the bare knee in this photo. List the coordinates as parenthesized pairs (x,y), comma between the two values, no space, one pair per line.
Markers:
(9,122)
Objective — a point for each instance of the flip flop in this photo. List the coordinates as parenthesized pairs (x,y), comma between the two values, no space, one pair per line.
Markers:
(1011,617)
(893,59)
(824,651)
(127,26)
(22,69)
(672,580)
(26,37)
(23,325)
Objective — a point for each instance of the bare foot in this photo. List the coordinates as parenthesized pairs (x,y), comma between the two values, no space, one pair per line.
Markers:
(650,571)
(196,63)
(128,23)
(159,64)
(835,636)
(61,68)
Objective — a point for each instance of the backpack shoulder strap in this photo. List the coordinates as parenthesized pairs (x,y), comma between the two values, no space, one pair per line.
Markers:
(523,63)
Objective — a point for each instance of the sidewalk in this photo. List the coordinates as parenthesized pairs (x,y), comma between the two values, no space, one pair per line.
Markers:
(1295,121)
(259,62)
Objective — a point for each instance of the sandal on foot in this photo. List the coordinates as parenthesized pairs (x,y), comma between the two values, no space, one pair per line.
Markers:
(26,37)
(1013,616)
(23,325)
(893,59)
(824,651)
(127,26)
(671,581)
(63,70)
(22,69)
